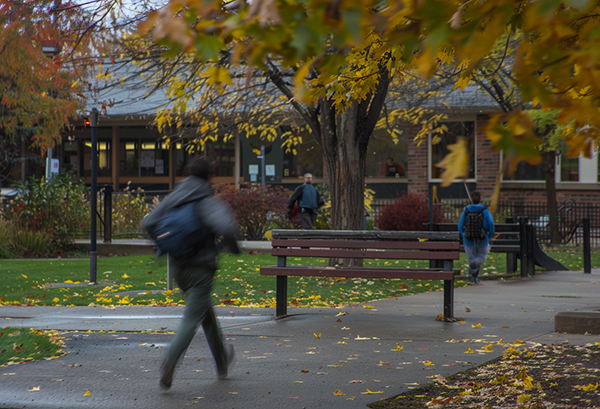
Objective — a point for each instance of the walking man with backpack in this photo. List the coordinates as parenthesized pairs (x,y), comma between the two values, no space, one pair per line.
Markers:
(476,227)
(309,200)
(194,272)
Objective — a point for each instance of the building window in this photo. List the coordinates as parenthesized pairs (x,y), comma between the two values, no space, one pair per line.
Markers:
(381,148)
(569,167)
(308,158)
(130,159)
(439,150)
(104,158)
(525,172)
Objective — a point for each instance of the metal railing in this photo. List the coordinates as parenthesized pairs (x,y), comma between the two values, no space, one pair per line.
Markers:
(570,216)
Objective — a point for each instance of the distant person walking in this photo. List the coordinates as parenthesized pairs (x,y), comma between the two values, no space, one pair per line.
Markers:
(194,275)
(309,200)
(476,226)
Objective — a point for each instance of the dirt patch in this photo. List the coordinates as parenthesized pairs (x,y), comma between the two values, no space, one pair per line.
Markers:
(543,376)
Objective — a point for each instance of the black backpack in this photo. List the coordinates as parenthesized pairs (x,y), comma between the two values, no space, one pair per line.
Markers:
(179,231)
(474,225)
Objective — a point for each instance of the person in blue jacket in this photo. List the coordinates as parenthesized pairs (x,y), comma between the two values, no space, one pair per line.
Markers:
(477,249)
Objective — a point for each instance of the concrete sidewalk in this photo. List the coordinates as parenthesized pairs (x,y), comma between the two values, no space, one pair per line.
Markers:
(366,353)
(145,246)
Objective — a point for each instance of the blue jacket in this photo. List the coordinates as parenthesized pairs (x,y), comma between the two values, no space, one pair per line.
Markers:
(488,225)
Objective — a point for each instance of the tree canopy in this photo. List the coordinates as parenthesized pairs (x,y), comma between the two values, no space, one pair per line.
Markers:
(36,86)
(555,64)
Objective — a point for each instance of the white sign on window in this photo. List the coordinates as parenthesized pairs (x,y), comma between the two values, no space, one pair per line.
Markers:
(160,167)
(253,169)
(147,160)
(270,170)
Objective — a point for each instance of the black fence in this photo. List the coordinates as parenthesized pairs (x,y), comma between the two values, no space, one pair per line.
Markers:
(570,216)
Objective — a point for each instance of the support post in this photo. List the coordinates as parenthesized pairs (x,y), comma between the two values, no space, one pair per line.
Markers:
(530,250)
(169,273)
(94,196)
(587,256)
(281,291)
(448,293)
(108,190)
(523,245)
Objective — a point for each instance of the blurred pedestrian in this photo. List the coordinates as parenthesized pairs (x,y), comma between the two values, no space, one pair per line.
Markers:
(194,275)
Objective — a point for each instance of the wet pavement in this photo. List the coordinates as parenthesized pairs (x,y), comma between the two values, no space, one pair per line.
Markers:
(317,357)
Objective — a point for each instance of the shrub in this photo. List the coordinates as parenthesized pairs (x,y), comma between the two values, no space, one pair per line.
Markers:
(5,239)
(56,207)
(257,209)
(409,213)
(128,210)
(32,243)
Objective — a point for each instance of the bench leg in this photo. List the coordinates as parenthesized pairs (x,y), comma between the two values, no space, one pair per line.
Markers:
(449,299)
(281,297)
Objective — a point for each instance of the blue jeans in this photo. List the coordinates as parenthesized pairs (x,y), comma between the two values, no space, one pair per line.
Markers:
(476,256)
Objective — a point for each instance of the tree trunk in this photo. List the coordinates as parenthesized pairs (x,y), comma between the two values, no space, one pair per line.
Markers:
(549,161)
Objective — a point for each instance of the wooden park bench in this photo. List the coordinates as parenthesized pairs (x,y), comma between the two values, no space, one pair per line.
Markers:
(438,247)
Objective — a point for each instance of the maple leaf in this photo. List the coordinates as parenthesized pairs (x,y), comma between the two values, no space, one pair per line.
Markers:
(456,162)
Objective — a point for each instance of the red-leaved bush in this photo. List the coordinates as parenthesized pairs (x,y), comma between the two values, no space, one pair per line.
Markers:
(409,213)
(257,209)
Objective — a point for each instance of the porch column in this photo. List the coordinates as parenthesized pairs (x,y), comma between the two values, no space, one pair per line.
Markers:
(116,157)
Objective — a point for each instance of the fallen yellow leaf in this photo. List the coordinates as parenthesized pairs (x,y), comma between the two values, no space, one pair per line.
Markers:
(369,392)
(87,393)
(339,393)
(469,351)
(368,306)
(476,326)
(317,335)
(34,389)
(428,363)
(590,387)
(24,276)
(398,348)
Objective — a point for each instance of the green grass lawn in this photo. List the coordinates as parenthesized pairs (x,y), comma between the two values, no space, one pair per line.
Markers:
(19,345)
(142,280)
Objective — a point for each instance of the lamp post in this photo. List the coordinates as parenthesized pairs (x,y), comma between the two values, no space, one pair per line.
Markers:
(51,50)
(94,195)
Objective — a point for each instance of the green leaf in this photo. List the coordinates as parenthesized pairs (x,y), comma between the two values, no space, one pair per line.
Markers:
(208,47)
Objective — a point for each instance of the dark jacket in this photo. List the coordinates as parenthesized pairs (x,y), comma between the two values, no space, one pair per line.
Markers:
(214,213)
(311,200)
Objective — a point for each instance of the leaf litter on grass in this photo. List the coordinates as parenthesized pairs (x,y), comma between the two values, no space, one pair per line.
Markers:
(542,376)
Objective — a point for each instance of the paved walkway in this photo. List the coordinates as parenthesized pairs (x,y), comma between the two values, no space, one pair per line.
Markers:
(367,354)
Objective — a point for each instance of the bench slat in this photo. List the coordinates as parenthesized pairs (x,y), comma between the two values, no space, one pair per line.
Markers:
(377,272)
(391,254)
(365,234)
(416,245)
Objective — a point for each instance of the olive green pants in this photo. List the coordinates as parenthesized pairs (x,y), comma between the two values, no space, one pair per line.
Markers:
(198,312)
